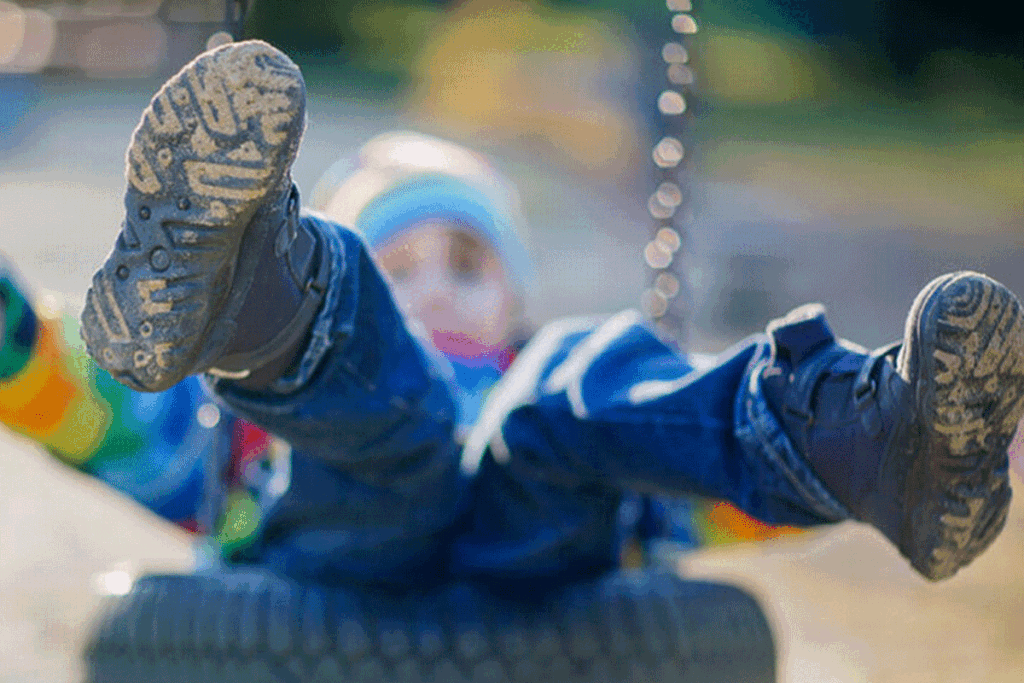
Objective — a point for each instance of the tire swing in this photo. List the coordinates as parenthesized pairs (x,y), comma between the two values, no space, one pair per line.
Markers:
(248,625)
(252,626)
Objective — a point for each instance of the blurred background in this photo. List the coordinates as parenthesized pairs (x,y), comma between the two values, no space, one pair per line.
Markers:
(843,152)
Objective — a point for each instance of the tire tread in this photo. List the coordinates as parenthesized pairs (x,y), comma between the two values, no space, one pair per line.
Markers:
(259,626)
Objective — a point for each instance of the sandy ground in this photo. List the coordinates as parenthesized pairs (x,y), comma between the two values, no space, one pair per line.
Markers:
(58,529)
(846,607)
(843,604)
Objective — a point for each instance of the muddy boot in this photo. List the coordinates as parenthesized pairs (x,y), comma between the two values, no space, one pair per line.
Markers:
(912,437)
(213,270)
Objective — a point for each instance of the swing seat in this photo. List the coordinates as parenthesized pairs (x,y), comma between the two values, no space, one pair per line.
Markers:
(250,625)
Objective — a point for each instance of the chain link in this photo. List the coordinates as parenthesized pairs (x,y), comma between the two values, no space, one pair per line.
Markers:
(664,300)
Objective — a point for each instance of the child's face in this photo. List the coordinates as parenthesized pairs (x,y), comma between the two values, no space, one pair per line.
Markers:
(453,283)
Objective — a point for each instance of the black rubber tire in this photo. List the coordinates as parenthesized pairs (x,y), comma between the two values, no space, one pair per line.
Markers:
(256,627)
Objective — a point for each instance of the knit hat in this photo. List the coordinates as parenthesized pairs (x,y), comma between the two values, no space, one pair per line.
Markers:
(400,179)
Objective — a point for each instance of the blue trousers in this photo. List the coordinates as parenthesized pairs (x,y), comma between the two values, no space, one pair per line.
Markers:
(381,492)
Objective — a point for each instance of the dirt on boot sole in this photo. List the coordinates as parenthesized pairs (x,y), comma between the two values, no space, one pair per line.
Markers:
(213,148)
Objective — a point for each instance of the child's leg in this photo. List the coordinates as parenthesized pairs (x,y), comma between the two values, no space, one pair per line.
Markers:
(216,271)
(795,428)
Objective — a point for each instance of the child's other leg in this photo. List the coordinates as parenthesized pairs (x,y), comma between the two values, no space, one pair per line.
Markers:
(215,271)
(795,428)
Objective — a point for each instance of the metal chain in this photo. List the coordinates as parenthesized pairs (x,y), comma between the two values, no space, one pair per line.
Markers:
(234,17)
(665,298)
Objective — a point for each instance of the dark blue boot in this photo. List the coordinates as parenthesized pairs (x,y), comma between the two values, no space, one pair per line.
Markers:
(911,437)
(213,270)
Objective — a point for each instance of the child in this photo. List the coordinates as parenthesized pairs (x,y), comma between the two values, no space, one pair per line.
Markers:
(216,271)
(445,229)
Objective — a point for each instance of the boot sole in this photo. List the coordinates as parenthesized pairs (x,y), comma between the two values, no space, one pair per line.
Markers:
(215,144)
(966,340)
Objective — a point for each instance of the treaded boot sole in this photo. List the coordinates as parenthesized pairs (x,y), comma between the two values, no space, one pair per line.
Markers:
(213,147)
(965,362)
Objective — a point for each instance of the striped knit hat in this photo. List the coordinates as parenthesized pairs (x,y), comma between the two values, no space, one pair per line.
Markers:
(400,179)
